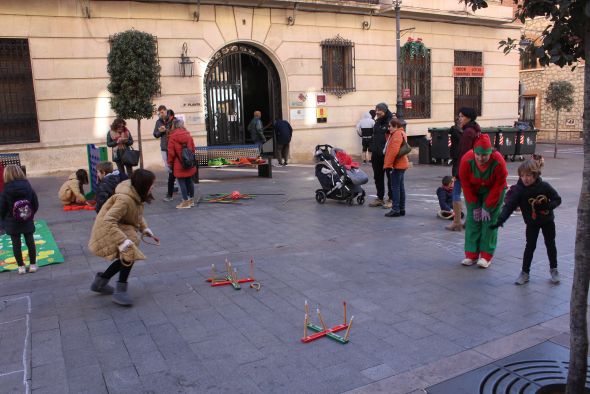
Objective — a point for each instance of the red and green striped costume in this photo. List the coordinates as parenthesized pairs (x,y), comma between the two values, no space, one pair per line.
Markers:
(483,187)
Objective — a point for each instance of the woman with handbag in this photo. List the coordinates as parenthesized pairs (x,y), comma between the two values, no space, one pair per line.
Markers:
(396,162)
(119,138)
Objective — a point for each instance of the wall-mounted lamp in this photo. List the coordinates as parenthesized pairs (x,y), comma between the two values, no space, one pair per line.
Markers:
(291,18)
(185,64)
(366,25)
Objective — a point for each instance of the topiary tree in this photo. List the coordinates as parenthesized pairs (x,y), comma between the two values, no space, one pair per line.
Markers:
(135,77)
(566,41)
(559,97)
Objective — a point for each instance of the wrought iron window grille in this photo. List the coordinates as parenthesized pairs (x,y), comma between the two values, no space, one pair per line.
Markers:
(417,81)
(338,66)
(468,90)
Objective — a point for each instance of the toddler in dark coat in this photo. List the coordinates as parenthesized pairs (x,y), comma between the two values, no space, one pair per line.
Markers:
(107,182)
(18,205)
(537,200)
(445,198)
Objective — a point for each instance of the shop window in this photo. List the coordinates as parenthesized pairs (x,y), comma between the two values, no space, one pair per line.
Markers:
(18,111)
(338,66)
(528,60)
(416,86)
(529,109)
(468,90)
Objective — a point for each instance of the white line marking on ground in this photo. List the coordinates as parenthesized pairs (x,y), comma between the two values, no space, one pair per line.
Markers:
(10,373)
(27,318)
(12,321)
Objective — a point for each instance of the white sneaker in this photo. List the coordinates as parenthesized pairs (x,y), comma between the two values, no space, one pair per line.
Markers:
(33,268)
(483,263)
(467,262)
(22,270)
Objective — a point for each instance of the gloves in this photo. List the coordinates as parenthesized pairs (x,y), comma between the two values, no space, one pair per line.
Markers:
(477,214)
(148,232)
(496,225)
(485,215)
(125,245)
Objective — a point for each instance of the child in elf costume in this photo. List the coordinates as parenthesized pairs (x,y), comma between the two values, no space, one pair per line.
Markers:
(483,176)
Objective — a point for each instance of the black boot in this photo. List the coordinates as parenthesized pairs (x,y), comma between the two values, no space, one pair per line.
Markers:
(101,285)
(121,296)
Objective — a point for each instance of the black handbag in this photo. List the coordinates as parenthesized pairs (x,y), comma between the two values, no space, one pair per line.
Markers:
(130,157)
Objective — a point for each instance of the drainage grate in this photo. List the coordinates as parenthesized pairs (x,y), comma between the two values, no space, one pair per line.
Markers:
(524,372)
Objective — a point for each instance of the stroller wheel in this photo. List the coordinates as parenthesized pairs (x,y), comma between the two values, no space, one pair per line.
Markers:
(320,196)
(360,200)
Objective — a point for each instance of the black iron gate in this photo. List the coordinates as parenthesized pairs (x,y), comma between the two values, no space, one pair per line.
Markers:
(224,94)
(18,112)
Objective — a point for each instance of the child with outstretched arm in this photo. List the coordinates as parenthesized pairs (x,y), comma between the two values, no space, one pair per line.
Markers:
(72,191)
(537,200)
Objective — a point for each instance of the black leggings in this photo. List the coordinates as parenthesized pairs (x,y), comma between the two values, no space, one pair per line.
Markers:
(17,248)
(532,233)
(115,267)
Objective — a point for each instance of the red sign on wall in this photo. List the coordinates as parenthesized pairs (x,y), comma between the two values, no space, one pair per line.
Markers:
(406,93)
(468,71)
(408,104)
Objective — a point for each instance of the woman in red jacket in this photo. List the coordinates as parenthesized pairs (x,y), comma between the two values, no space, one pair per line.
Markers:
(177,139)
(397,166)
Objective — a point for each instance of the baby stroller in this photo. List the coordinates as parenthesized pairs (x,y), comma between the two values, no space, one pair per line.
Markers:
(336,181)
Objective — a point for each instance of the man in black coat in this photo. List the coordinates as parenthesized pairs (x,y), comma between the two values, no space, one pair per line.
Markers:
(384,116)
(284,132)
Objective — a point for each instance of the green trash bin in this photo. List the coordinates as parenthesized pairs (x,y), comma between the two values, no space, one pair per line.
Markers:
(440,143)
(507,141)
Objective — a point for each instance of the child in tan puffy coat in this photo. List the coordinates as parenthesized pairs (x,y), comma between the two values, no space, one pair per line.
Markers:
(72,191)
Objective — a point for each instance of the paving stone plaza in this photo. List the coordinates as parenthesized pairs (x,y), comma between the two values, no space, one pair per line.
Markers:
(420,317)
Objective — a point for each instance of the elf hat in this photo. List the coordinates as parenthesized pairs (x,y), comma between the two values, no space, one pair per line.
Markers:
(483,145)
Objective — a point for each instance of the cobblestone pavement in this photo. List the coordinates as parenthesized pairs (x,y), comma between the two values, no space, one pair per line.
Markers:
(420,317)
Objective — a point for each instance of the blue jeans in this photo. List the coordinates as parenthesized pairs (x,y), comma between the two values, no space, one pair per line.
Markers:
(398,191)
(187,187)
(457,191)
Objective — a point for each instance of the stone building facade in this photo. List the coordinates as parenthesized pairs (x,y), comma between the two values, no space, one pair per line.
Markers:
(66,43)
(535,81)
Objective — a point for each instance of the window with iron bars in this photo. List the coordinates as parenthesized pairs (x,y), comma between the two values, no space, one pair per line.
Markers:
(18,110)
(528,60)
(338,66)
(416,79)
(468,90)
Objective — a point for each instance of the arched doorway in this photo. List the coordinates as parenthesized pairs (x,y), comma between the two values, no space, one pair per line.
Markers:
(239,80)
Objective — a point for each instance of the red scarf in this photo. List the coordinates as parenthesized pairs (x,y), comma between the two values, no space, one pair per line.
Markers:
(115,135)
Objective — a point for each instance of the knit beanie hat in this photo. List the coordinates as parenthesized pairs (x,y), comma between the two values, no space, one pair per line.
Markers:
(382,107)
(483,145)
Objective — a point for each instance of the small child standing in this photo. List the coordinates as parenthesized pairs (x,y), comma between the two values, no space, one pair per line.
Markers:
(72,191)
(107,182)
(445,198)
(18,205)
(537,200)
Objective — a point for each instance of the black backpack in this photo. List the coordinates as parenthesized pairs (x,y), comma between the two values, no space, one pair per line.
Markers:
(187,157)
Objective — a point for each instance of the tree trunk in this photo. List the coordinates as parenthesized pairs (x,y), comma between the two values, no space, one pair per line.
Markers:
(139,143)
(556,135)
(576,378)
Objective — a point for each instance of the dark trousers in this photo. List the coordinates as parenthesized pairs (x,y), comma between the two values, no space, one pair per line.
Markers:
(17,248)
(532,233)
(187,187)
(124,169)
(398,190)
(379,176)
(171,179)
(115,267)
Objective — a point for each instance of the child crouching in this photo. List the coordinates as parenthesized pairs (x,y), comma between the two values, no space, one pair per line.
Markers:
(537,200)
(445,198)
(72,191)
(18,205)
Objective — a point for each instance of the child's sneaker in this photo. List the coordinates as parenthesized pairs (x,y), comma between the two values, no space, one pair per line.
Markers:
(22,270)
(33,268)
(522,278)
(467,262)
(555,276)
(483,263)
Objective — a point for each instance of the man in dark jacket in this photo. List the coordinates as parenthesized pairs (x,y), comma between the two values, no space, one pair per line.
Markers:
(377,159)
(161,130)
(107,182)
(284,132)
(256,129)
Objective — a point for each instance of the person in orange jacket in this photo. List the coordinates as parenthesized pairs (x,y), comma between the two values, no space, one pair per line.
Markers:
(397,166)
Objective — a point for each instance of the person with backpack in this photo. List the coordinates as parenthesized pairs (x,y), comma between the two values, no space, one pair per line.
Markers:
(72,191)
(18,205)
(107,182)
(181,159)
(396,163)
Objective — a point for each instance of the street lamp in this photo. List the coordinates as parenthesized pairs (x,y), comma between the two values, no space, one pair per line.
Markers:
(399,104)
